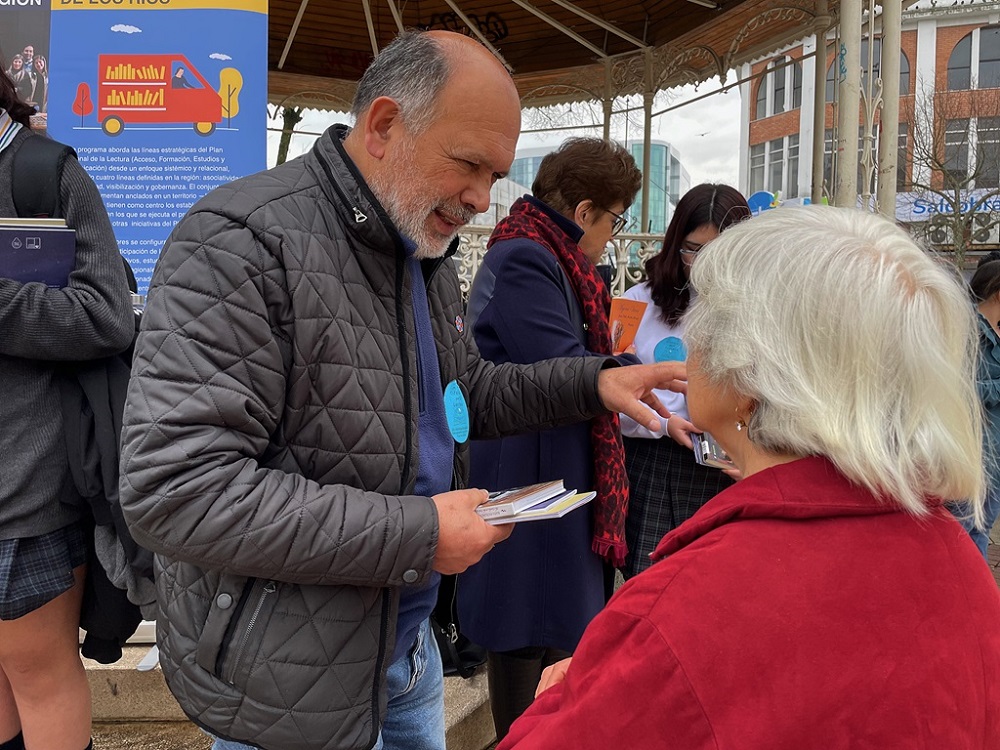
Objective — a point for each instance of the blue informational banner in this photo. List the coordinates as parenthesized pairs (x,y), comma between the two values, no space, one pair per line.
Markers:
(163,100)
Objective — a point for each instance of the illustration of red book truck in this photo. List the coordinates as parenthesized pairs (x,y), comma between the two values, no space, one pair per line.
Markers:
(161,89)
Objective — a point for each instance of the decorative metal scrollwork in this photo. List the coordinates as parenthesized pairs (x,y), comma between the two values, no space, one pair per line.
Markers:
(492,26)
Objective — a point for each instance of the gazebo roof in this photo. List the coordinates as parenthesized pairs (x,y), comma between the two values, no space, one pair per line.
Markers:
(558,50)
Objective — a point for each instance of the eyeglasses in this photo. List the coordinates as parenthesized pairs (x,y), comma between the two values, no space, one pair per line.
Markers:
(619,224)
(691,248)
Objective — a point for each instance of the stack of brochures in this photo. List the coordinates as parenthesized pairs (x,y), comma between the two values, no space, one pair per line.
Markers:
(708,452)
(37,250)
(535,502)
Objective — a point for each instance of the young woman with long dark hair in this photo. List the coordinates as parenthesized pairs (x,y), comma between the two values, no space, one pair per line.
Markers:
(44,696)
(666,485)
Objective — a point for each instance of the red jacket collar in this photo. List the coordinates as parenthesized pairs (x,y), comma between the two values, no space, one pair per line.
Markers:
(808,488)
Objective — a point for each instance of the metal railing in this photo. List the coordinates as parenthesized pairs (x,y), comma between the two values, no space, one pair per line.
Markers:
(627,254)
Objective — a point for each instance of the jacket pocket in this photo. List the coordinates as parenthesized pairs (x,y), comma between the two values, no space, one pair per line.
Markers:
(242,638)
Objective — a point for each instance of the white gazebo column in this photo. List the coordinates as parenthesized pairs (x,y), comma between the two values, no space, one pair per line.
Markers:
(647,135)
(848,62)
(892,23)
(819,101)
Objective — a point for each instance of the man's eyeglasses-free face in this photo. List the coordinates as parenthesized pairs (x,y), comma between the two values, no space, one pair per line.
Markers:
(620,222)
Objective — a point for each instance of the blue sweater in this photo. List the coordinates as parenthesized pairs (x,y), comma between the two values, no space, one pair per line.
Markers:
(437,451)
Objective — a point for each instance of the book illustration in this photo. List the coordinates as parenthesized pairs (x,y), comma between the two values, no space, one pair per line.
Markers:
(708,452)
(626,314)
(555,507)
(509,502)
(39,251)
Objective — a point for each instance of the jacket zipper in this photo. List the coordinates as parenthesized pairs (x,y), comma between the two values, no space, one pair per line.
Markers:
(269,588)
(383,638)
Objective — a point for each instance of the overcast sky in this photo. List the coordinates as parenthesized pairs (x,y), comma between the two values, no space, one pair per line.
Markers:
(705,132)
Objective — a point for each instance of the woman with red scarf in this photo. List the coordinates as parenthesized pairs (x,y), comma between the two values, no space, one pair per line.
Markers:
(539,295)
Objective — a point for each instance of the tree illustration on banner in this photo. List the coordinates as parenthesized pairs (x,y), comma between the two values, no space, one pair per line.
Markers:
(230,85)
(83,105)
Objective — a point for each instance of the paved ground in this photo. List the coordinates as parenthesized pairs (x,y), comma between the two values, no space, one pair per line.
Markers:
(174,735)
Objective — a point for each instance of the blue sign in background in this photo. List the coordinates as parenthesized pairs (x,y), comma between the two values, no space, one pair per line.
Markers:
(150,161)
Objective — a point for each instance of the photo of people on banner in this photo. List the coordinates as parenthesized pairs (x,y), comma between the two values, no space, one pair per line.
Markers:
(24,42)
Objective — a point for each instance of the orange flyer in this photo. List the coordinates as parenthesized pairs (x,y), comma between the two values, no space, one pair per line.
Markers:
(626,315)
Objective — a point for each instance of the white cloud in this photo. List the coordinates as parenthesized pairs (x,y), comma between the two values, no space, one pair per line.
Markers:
(122,28)
(219,56)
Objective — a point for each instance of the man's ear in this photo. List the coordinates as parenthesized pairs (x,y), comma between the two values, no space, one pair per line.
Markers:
(382,119)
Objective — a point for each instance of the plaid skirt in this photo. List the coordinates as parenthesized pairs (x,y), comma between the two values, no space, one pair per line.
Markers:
(666,488)
(35,570)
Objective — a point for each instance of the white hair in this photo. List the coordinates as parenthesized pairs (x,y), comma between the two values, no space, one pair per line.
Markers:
(854,345)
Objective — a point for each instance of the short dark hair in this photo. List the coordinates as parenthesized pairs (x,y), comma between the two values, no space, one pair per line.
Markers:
(990,256)
(985,282)
(718,205)
(412,69)
(603,172)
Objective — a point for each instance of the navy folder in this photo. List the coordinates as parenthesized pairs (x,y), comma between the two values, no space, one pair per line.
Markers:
(30,252)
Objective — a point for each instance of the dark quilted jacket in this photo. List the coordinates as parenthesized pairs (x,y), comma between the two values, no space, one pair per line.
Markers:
(270,448)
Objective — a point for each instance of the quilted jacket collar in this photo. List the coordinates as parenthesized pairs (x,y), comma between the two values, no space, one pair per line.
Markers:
(350,195)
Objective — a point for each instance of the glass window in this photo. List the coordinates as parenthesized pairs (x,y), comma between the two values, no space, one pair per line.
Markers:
(988,152)
(831,81)
(779,90)
(775,163)
(829,158)
(956,152)
(756,168)
(793,167)
(796,85)
(876,61)
(989,58)
(760,110)
(960,64)
(901,157)
(904,74)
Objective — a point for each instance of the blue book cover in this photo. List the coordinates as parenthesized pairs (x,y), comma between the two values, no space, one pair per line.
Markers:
(33,252)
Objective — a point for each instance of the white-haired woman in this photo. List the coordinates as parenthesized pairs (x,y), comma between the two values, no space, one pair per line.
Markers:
(828,600)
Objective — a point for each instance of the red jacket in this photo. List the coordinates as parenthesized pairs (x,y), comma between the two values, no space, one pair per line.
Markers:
(794,611)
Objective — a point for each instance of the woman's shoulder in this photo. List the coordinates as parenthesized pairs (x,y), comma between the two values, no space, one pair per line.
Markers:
(639,292)
(521,253)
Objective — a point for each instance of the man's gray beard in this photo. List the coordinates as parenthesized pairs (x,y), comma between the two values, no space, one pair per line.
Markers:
(393,197)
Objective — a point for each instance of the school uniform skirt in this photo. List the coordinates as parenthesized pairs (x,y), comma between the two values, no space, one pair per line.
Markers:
(666,487)
(35,570)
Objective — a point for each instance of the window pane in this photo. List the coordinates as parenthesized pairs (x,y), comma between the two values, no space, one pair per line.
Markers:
(960,65)
(989,58)
(904,74)
(956,152)
(775,161)
(793,167)
(901,181)
(831,81)
(829,158)
(756,168)
(988,152)
(796,85)
(779,90)
(760,109)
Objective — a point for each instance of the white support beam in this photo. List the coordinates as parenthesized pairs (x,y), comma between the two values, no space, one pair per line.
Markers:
(395,15)
(292,33)
(371,27)
(848,61)
(560,27)
(892,24)
(475,30)
(599,22)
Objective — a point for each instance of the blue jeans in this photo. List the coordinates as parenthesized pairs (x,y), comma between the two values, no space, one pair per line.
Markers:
(990,512)
(415,716)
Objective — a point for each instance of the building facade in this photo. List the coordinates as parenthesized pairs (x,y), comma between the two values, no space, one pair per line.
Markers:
(948,149)
(668,180)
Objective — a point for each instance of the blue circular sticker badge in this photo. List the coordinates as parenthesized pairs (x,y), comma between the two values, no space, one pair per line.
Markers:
(670,349)
(456,411)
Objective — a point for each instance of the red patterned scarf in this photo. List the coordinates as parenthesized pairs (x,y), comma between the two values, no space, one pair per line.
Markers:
(527,221)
